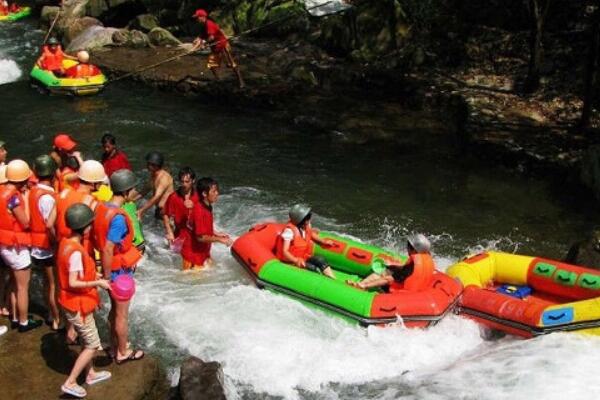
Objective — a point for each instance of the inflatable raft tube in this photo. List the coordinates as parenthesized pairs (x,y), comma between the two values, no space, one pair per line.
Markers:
(22,13)
(70,86)
(351,260)
(529,296)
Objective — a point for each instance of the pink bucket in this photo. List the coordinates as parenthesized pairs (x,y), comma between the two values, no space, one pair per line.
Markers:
(123,287)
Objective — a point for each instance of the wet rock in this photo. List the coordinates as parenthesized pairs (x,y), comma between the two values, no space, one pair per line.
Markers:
(144,23)
(92,38)
(48,14)
(590,169)
(162,37)
(127,38)
(586,252)
(303,74)
(77,26)
(34,365)
(201,380)
(96,8)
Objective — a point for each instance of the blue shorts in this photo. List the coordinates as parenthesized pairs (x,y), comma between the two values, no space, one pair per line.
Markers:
(122,271)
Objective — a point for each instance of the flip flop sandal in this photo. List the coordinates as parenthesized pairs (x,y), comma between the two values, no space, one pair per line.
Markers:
(75,391)
(133,356)
(100,377)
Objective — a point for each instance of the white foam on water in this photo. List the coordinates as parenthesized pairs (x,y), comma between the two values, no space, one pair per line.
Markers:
(9,71)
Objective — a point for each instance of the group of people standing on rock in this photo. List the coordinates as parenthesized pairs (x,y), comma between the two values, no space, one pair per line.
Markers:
(53,218)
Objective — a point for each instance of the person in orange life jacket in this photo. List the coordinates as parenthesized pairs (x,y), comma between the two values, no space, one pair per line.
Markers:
(179,209)
(5,289)
(52,57)
(4,8)
(413,275)
(295,244)
(42,212)
(84,69)
(79,298)
(68,159)
(203,222)
(113,234)
(15,240)
(219,46)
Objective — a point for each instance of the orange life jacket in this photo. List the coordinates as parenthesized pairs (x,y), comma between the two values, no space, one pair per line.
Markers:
(65,199)
(83,300)
(300,247)
(423,269)
(3,9)
(11,231)
(63,176)
(39,232)
(52,61)
(82,71)
(125,255)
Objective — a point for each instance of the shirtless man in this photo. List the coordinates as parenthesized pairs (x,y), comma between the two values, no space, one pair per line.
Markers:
(161,182)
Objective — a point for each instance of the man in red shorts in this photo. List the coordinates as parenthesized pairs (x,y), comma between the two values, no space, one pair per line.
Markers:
(219,45)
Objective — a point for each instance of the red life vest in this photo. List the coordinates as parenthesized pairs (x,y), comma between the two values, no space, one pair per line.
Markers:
(39,232)
(82,71)
(52,61)
(65,199)
(3,8)
(11,231)
(125,255)
(65,177)
(300,247)
(423,269)
(83,300)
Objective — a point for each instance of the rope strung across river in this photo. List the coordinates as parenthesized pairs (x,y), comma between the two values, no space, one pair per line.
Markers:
(232,38)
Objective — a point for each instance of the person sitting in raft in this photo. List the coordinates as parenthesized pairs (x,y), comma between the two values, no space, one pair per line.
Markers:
(296,243)
(84,69)
(52,57)
(4,8)
(414,275)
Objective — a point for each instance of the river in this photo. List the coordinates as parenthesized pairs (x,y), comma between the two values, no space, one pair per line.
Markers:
(271,346)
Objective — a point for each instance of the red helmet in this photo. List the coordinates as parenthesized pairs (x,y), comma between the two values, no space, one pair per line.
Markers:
(200,13)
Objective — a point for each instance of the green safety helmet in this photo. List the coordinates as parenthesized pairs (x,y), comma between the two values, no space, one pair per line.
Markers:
(79,216)
(419,242)
(52,41)
(155,158)
(44,166)
(298,212)
(122,180)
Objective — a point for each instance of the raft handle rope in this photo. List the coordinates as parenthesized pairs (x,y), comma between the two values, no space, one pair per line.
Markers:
(187,53)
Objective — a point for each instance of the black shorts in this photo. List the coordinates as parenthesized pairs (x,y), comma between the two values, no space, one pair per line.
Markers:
(42,262)
(400,274)
(316,264)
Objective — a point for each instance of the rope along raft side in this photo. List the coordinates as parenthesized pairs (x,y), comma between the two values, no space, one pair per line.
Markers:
(351,260)
(529,296)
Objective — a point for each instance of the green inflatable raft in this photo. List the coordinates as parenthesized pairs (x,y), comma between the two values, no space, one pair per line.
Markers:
(22,13)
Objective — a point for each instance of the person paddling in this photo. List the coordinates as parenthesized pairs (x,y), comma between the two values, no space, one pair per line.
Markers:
(213,36)
(295,245)
(52,57)
(415,274)
(79,297)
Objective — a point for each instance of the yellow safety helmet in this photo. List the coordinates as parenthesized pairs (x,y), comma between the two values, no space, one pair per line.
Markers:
(17,171)
(91,171)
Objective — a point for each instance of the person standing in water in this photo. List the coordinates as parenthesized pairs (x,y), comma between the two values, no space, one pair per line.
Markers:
(113,158)
(208,190)
(161,183)
(79,297)
(295,245)
(179,209)
(213,36)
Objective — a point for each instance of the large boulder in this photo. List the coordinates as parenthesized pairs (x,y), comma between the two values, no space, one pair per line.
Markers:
(48,14)
(96,8)
(586,252)
(77,26)
(144,23)
(92,38)
(133,38)
(162,37)
(201,380)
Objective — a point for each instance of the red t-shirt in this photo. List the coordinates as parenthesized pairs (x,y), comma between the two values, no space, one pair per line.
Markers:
(115,163)
(203,225)
(183,219)
(212,29)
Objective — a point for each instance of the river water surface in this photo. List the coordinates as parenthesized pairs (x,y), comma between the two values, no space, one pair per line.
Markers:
(271,346)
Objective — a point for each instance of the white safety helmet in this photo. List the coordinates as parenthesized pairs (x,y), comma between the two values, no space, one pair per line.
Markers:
(419,242)
(83,56)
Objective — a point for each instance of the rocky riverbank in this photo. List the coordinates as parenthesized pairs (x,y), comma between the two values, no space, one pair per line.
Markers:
(34,365)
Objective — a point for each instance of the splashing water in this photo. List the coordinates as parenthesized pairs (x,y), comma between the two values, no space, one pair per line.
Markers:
(9,71)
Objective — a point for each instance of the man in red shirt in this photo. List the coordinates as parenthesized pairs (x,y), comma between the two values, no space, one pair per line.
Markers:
(208,190)
(113,159)
(218,43)
(179,208)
